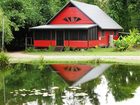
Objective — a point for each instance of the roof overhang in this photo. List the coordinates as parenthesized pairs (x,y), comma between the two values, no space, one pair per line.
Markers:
(66,26)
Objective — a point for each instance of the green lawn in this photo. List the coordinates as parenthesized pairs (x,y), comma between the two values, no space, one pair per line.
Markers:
(93,51)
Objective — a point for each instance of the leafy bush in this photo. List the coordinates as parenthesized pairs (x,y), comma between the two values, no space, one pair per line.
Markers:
(41,63)
(4,59)
(51,48)
(67,48)
(121,44)
(30,49)
(127,42)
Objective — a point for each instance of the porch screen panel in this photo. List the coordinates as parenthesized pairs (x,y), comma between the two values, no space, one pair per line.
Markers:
(37,35)
(93,34)
(47,35)
(90,34)
(67,33)
(83,35)
(42,35)
(53,35)
(74,35)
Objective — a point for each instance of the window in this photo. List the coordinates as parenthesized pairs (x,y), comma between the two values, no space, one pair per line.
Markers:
(72,19)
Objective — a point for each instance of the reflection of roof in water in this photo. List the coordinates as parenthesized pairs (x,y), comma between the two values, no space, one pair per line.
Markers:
(92,74)
(71,72)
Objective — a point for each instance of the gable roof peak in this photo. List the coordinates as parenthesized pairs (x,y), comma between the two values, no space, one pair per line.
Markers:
(74,1)
(96,14)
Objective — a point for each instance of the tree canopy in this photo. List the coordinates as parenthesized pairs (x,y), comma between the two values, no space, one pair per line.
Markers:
(7,27)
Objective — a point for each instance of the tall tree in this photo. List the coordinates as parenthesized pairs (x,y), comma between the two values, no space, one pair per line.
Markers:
(7,27)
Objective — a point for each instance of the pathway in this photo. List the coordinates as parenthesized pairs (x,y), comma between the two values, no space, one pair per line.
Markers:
(21,55)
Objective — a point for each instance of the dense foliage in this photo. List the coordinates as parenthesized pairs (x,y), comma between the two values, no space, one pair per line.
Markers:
(7,27)
(123,80)
(128,42)
(125,12)
(4,60)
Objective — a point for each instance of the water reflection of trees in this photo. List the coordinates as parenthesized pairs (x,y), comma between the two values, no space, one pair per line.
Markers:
(24,76)
(89,88)
(123,80)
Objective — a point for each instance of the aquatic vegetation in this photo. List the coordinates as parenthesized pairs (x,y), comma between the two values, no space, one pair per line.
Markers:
(41,63)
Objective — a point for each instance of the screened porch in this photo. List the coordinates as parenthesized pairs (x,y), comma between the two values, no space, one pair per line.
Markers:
(64,37)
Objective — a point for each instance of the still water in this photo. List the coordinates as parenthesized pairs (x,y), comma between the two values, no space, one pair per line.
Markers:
(70,84)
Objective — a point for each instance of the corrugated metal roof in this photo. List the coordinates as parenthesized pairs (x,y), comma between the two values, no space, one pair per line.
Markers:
(66,26)
(97,15)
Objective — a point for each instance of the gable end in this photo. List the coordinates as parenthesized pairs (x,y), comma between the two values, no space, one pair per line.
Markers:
(70,14)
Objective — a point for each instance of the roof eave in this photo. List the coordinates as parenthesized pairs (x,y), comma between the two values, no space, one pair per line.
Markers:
(112,28)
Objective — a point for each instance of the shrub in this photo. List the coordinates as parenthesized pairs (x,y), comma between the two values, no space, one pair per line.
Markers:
(127,42)
(30,49)
(41,63)
(51,48)
(4,60)
(73,49)
(121,44)
(67,48)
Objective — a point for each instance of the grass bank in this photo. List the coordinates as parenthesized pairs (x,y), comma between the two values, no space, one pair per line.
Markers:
(102,55)
(75,61)
(94,52)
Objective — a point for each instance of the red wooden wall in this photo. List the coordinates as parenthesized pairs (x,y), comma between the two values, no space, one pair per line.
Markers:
(71,12)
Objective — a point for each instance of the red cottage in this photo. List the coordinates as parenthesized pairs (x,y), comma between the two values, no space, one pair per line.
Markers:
(77,25)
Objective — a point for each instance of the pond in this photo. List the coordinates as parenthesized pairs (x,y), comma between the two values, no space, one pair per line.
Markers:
(70,84)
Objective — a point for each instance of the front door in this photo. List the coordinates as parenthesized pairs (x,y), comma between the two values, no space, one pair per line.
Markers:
(60,38)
